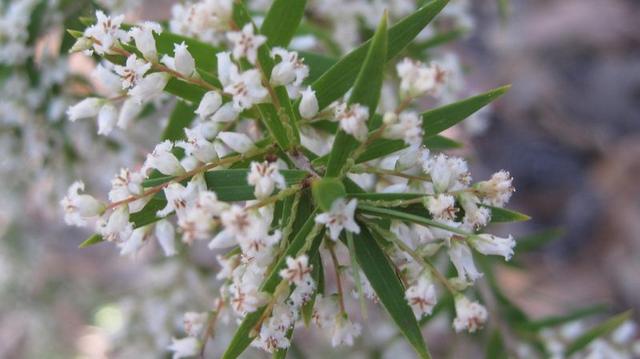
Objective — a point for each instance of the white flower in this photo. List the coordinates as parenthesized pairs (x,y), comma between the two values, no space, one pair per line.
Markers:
(344,332)
(86,108)
(133,71)
(246,89)
(131,245)
(309,104)
(78,207)
(298,270)
(197,220)
(129,111)
(184,63)
(407,127)
(447,173)
(179,197)
(237,222)
(489,244)
(194,323)
(210,15)
(109,80)
(290,71)
(149,87)
(198,146)
(165,234)
(163,160)
(462,260)
(128,184)
(209,104)
(474,216)
(116,226)
(106,32)
(145,42)
(246,43)
(226,68)
(184,347)
(239,142)
(470,316)
(416,78)
(265,177)
(107,118)
(421,297)
(442,207)
(325,311)
(226,113)
(496,191)
(340,217)
(353,120)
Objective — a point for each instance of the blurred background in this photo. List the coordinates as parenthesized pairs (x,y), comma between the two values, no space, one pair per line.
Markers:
(568,131)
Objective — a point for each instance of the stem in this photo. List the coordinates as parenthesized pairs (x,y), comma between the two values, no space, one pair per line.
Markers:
(209,332)
(278,196)
(336,266)
(356,275)
(379,171)
(195,171)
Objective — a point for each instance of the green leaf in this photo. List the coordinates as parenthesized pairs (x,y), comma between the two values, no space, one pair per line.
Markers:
(231,185)
(366,92)
(500,215)
(338,79)
(403,216)
(599,331)
(181,117)
(553,321)
(388,287)
(94,239)
(326,191)
(368,196)
(184,90)
(241,339)
(282,20)
(495,347)
(439,119)
(439,142)
(537,240)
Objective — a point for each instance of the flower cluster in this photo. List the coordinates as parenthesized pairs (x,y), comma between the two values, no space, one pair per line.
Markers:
(230,179)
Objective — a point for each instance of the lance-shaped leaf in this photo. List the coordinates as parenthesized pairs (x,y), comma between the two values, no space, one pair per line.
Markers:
(366,92)
(282,20)
(388,287)
(439,119)
(340,77)
(577,314)
(500,215)
(408,217)
(242,337)
(598,331)
(326,191)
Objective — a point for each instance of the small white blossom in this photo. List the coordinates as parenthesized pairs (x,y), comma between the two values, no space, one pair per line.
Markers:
(226,67)
(184,63)
(106,32)
(496,191)
(86,108)
(133,71)
(309,104)
(340,217)
(417,79)
(353,120)
(290,71)
(149,87)
(165,234)
(78,207)
(407,127)
(185,347)
(179,197)
(447,173)
(127,184)
(470,316)
(108,79)
(421,297)
(344,332)
(198,146)
(246,43)
(442,207)
(489,244)
(265,177)
(145,42)
(226,113)
(462,260)
(209,104)
(163,160)
(298,270)
(194,323)
(239,142)
(129,111)
(107,118)
(116,226)
(131,245)
(246,89)
(325,311)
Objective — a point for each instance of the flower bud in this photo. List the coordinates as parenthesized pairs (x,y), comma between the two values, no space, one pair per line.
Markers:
(226,113)
(129,111)
(209,104)
(86,108)
(489,244)
(145,42)
(165,233)
(308,104)
(107,118)
(238,142)
(183,61)
(149,87)
(81,44)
